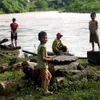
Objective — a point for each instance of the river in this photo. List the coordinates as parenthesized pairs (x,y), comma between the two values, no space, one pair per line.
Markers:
(73,26)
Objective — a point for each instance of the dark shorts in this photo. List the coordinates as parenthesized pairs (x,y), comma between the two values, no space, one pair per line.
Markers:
(14,36)
(62,48)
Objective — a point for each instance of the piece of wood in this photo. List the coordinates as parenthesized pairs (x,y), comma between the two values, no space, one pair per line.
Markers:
(34,54)
(3,41)
(93,57)
(8,47)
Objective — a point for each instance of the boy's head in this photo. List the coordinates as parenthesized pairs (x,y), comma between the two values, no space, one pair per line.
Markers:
(42,37)
(93,15)
(59,35)
(13,19)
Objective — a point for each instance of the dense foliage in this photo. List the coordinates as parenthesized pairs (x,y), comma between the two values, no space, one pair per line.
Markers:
(16,6)
(70,5)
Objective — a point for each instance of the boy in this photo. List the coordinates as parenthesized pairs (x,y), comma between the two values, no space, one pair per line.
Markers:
(42,62)
(14,27)
(57,47)
(93,28)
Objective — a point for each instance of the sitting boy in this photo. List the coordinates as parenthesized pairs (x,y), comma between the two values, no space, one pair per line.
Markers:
(57,46)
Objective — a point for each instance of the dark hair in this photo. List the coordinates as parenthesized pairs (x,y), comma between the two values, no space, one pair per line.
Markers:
(93,14)
(13,19)
(41,35)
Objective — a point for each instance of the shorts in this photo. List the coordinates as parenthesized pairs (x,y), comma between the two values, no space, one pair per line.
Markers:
(45,74)
(13,36)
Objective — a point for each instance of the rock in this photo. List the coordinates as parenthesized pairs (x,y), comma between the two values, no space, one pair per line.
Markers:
(17,66)
(3,67)
(90,74)
(93,57)
(63,59)
(7,87)
(59,79)
(9,47)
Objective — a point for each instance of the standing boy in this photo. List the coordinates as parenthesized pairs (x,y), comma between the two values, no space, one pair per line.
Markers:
(93,27)
(14,27)
(42,62)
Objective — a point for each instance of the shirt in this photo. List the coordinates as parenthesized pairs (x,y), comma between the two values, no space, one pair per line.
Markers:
(40,62)
(13,26)
(56,44)
(93,26)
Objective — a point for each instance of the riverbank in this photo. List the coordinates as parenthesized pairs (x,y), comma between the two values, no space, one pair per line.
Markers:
(86,88)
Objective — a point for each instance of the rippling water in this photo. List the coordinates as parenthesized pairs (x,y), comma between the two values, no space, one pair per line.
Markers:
(73,26)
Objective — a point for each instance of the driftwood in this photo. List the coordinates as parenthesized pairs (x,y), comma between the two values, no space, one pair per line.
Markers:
(49,53)
(9,47)
(3,41)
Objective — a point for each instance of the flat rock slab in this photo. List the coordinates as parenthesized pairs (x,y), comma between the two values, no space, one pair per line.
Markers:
(64,59)
(93,57)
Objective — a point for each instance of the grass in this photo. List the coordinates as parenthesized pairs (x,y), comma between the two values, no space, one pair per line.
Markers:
(83,89)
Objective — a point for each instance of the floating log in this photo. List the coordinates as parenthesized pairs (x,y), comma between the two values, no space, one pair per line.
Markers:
(93,57)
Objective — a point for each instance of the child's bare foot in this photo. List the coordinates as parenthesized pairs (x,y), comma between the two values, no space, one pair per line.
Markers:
(48,93)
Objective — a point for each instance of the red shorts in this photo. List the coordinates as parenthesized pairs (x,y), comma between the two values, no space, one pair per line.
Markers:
(45,74)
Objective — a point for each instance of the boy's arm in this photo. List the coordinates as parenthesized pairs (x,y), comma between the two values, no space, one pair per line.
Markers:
(43,52)
(96,25)
(89,25)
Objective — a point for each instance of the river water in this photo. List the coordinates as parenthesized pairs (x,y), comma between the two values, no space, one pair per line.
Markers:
(73,26)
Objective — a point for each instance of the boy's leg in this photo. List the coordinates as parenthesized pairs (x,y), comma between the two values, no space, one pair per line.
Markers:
(12,43)
(15,43)
(12,40)
(16,40)
(46,77)
(98,45)
(92,46)
(43,78)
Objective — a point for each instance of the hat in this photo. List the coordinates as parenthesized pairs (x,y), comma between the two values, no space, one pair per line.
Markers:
(59,34)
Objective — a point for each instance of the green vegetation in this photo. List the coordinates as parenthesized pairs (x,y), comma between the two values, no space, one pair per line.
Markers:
(14,6)
(83,89)
(18,6)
